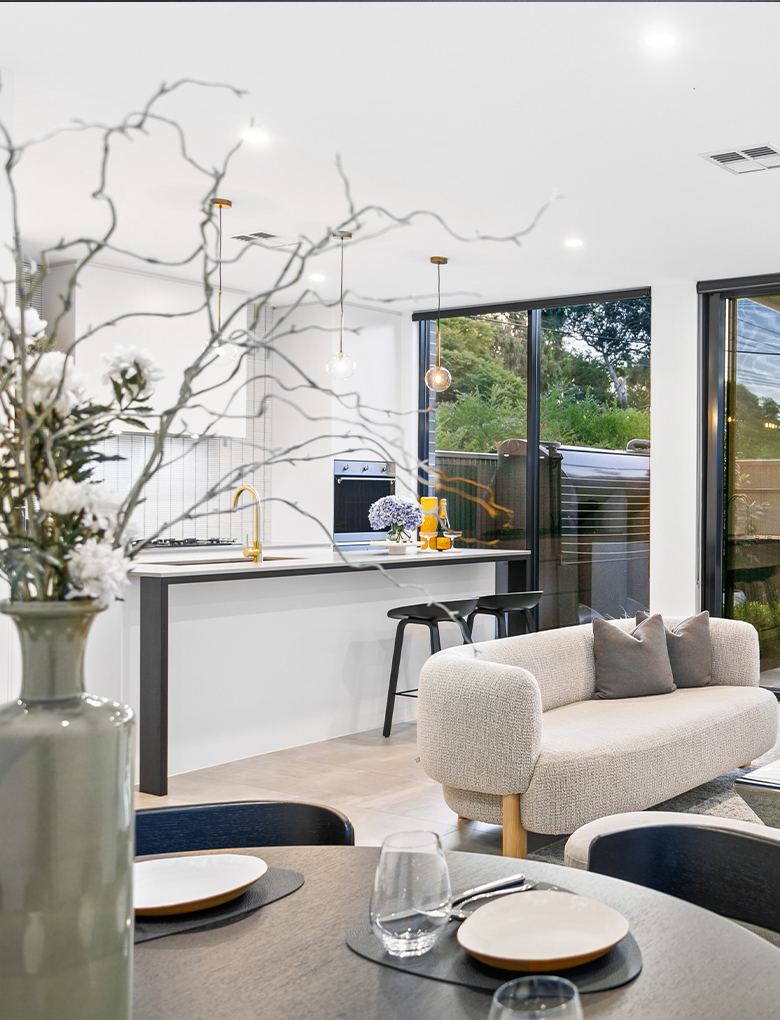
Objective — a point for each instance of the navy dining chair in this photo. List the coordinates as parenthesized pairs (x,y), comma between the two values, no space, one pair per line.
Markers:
(730,873)
(252,823)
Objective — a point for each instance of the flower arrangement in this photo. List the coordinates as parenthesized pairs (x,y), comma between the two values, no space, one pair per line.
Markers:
(396,515)
(63,536)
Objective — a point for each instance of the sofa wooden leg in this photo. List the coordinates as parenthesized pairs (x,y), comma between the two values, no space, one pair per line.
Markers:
(513,836)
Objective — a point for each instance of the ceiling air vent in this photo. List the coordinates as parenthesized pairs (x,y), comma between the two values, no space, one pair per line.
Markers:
(266,240)
(745,161)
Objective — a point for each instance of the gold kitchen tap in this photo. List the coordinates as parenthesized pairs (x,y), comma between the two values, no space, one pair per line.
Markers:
(256,549)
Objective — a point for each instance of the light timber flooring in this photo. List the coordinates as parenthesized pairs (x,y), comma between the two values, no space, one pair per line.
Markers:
(380,786)
(373,780)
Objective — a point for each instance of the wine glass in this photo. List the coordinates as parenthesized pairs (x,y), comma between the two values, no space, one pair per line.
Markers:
(531,998)
(411,899)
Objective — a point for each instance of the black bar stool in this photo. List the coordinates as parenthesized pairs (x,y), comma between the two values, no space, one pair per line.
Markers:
(429,616)
(510,602)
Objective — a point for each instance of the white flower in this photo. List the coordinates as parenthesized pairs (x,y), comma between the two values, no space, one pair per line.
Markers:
(124,363)
(64,496)
(11,321)
(102,506)
(47,372)
(97,571)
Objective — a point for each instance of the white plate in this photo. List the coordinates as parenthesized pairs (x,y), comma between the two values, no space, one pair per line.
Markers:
(541,930)
(178,885)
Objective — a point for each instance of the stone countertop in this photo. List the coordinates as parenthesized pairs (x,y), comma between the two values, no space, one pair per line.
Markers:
(290,561)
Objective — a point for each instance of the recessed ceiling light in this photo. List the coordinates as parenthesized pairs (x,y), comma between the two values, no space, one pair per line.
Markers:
(660,39)
(317,277)
(255,136)
(573,242)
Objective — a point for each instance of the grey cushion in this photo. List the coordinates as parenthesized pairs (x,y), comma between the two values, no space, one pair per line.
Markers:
(631,665)
(690,650)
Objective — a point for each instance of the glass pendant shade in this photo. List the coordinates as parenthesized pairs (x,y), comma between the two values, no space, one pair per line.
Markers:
(438,379)
(340,366)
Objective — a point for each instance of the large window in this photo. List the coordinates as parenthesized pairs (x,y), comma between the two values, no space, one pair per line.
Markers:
(572,383)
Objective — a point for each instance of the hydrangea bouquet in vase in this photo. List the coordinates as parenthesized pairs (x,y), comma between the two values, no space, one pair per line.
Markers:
(399,517)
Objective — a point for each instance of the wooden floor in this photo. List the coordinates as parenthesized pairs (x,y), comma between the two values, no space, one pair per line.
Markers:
(376,782)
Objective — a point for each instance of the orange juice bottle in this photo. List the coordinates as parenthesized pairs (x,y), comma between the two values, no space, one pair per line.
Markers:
(430,505)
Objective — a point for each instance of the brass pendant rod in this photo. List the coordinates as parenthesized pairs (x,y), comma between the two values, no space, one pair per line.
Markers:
(341,302)
(219,294)
(438,316)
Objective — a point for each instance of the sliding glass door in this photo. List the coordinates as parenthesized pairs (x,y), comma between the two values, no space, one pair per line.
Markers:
(751,574)
(542,443)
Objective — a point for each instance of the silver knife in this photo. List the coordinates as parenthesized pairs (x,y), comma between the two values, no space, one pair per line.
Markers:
(497,883)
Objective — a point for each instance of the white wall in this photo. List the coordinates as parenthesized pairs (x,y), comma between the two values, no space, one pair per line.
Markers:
(674,425)
(103,293)
(371,415)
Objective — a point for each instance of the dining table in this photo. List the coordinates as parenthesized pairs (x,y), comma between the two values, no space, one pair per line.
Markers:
(289,960)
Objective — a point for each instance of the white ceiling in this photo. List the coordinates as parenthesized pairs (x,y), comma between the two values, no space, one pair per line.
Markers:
(477,111)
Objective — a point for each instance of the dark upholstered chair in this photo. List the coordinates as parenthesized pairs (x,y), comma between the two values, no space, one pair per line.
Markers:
(242,824)
(731,873)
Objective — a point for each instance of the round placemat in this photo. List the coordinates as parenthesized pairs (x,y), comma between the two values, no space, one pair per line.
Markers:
(448,962)
(273,885)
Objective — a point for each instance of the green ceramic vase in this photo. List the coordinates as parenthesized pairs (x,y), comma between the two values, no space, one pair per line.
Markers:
(66,830)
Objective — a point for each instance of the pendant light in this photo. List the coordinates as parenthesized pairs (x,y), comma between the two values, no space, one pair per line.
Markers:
(340,365)
(437,378)
(225,351)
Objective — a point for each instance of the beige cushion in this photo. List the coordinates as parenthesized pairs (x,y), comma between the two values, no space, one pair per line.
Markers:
(633,664)
(575,854)
(601,757)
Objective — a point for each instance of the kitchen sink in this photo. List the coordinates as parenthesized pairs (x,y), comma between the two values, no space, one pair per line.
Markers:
(185,561)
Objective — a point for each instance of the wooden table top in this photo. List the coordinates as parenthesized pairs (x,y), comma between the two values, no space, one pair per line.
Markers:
(289,960)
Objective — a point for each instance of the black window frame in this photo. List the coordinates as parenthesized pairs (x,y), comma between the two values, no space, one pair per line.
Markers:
(713,295)
(520,575)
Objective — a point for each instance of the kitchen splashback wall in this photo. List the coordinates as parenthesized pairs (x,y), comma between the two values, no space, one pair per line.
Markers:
(195,465)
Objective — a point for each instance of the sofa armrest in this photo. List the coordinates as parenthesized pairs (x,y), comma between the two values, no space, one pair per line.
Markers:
(735,656)
(479,724)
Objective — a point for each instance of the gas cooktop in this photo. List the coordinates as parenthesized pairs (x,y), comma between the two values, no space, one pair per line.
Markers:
(175,543)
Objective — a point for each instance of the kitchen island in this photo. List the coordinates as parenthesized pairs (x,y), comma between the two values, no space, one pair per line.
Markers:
(283,652)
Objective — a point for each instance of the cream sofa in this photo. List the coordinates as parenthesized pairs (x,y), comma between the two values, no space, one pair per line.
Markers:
(512,732)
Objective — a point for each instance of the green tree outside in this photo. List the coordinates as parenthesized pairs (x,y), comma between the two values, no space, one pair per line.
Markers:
(595,385)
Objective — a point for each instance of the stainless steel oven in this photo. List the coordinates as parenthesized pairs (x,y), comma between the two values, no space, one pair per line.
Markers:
(356,485)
